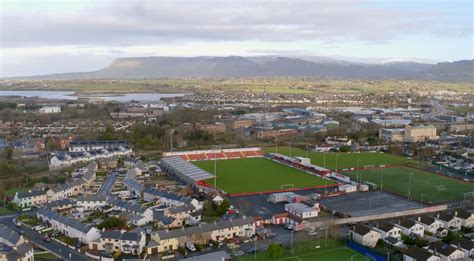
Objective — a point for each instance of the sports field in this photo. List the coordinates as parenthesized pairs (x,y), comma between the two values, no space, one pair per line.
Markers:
(257,175)
(343,254)
(424,185)
(340,161)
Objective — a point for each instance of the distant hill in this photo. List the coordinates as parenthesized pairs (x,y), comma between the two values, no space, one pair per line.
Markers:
(269,66)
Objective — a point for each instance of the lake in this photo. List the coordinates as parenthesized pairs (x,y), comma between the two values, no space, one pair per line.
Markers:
(70,95)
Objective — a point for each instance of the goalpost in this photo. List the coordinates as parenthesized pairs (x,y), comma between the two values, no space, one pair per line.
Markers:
(369,166)
(287,186)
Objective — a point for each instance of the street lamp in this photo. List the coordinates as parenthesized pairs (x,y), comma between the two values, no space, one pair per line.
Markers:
(358,161)
(381,181)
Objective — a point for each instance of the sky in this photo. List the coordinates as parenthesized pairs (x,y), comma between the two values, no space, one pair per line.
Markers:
(55,36)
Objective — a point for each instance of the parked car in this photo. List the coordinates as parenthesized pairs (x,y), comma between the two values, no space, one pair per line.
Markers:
(38,228)
(46,239)
(190,247)
(18,224)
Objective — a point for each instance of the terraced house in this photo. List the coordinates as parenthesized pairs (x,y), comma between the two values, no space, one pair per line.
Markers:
(30,198)
(120,241)
(169,240)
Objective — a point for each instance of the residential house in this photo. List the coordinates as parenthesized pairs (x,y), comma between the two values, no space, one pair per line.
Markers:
(120,241)
(446,252)
(170,240)
(13,246)
(90,203)
(430,224)
(449,220)
(419,254)
(364,235)
(410,227)
(64,206)
(388,230)
(465,245)
(68,226)
(151,194)
(30,198)
(467,218)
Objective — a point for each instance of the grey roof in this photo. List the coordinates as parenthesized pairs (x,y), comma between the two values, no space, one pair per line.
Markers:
(361,229)
(384,226)
(58,203)
(31,193)
(185,169)
(129,206)
(464,214)
(407,223)
(165,194)
(180,209)
(418,253)
(445,216)
(92,198)
(9,236)
(131,183)
(203,228)
(164,219)
(427,220)
(464,243)
(442,248)
(84,228)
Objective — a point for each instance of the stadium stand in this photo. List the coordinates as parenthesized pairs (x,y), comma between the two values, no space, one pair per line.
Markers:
(217,154)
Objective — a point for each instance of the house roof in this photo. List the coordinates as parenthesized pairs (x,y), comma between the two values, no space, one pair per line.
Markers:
(9,236)
(407,223)
(203,228)
(446,216)
(463,243)
(442,248)
(384,226)
(30,193)
(70,222)
(418,253)
(464,214)
(426,220)
(361,229)
(122,235)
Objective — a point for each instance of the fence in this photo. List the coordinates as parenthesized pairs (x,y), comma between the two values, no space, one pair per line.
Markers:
(365,251)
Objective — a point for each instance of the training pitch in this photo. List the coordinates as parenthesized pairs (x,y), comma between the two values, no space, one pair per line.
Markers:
(258,175)
(425,186)
(340,161)
(343,254)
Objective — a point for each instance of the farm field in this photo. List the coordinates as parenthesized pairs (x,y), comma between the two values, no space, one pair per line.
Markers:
(257,175)
(343,160)
(425,186)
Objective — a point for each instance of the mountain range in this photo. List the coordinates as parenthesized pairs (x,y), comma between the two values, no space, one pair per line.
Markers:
(269,66)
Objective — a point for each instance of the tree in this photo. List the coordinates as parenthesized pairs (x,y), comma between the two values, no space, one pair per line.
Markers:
(109,134)
(223,207)
(275,250)
(9,153)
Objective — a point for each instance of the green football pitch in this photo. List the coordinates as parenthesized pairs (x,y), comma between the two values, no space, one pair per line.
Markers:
(258,175)
(343,254)
(343,160)
(424,186)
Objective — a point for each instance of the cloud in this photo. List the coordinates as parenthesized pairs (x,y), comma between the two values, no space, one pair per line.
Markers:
(158,22)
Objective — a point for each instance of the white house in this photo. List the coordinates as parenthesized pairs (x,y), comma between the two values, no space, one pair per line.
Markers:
(418,254)
(50,109)
(301,210)
(364,235)
(430,224)
(14,246)
(449,220)
(467,218)
(410,227)
(68,226)
(120,241)
(388,230)
(446,252)
(90,203)
(465,245)
(30,198)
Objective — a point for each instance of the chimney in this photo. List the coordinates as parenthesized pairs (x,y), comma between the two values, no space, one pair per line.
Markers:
(419,218)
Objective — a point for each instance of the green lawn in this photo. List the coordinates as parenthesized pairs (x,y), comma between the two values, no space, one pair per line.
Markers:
(343,160)
(340,254)
(46,256)
(4,211)
(257,174)
(424,185)
(11,192)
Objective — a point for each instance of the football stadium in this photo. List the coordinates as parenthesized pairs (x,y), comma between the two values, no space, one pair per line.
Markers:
(246,171)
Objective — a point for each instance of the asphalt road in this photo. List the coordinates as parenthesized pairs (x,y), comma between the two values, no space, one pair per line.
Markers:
(65,252)
(108,184)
